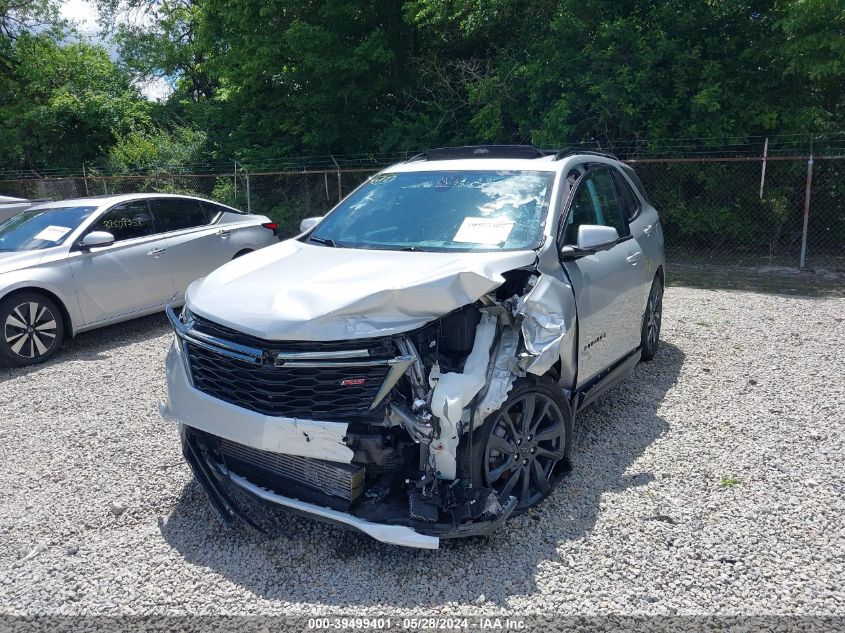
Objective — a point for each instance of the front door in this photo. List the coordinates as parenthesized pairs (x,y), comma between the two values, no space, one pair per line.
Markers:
(131,275)
(606,284)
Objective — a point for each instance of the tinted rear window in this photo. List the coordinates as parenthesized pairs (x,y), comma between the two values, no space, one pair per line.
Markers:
(214,211)
(174,214)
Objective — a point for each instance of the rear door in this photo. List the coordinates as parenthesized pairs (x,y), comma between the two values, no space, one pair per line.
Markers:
(131,275)
(196,246)
(606,284)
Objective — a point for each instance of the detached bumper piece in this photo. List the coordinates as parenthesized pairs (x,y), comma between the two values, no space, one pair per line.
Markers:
(248,496)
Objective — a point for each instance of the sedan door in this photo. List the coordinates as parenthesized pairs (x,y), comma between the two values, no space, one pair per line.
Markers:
(196,246)
(131,275)
(606,284)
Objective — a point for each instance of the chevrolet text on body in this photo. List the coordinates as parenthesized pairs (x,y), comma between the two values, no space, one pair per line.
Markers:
(410,365)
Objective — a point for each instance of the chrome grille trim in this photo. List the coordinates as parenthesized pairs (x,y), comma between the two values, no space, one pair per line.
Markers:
(325,355)
(212,343)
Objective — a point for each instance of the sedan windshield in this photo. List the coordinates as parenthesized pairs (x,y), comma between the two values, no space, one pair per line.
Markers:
(35,229)
(442,211)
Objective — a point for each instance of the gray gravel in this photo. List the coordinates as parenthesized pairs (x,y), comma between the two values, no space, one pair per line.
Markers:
(713,481)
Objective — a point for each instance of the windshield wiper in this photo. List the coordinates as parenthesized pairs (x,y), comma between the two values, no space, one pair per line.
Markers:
(324,241)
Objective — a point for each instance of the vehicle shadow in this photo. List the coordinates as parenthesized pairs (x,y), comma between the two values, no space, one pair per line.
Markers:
(307,566)
(96,345)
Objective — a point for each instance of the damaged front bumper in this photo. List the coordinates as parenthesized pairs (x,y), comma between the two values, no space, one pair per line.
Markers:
(204,421)
(236,498)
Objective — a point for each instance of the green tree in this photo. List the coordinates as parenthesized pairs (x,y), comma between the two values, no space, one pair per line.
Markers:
(156,150)
(63,105)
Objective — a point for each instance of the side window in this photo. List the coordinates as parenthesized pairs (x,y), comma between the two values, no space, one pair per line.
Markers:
(173,214)
(213,211)
(629,171)
(628,199)
(595,202)
(126,221)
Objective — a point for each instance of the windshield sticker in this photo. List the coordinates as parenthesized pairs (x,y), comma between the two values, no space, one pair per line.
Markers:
(483,231)
(382,178)
(52,233)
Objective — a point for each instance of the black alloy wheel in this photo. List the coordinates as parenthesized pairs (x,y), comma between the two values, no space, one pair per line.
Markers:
(516,449)
(651,320)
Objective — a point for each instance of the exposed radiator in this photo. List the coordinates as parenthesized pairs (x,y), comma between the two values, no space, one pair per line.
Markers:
(345,481)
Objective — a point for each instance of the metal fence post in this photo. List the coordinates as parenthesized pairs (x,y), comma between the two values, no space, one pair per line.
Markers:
(763,171)
(248,198)
(339,186)
(806,210)
(85,179)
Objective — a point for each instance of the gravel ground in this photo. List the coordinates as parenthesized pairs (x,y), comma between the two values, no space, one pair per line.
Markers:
(712,481)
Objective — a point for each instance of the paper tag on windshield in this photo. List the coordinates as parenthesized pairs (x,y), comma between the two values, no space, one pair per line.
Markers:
(52,233)
(483,231)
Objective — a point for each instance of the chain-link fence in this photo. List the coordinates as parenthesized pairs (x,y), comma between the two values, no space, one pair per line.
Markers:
(736,212)
(728,211)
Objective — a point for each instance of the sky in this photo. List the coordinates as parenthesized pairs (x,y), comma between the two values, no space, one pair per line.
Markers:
(84,14)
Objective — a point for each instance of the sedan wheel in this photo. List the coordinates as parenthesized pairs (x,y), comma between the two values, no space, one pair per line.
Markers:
(32,329)
(528,437)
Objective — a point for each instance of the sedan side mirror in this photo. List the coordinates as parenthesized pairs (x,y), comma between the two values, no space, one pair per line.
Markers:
(592,238)
(97,238)
(309,223)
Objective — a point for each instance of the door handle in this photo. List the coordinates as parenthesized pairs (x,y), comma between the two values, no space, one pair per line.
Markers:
(223,232)
(647,230)
(156,252)
(634,258)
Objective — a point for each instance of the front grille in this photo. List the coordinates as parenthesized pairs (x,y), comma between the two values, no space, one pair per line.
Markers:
(345,481)
(287,390)
(381,347)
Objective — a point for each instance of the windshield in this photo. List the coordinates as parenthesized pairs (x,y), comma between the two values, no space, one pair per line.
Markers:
(442,211)
(35,229)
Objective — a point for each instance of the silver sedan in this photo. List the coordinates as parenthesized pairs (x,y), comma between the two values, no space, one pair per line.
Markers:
(75,265)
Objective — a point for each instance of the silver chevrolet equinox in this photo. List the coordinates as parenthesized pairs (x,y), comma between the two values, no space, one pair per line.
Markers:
(410,365)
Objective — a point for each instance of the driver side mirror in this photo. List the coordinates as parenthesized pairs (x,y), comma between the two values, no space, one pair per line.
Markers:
(97,238)
(592,238)
(309,223)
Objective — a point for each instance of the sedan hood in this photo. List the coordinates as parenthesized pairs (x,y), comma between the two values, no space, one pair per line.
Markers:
(19,259)
(296,291)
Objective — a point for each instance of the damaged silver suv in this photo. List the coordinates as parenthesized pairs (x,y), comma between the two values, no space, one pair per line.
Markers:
(410,365)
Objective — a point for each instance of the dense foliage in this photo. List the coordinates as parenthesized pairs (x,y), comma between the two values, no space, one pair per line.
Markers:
(266,78)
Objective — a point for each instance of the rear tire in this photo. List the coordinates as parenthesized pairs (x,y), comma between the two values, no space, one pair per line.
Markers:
(650,337)
(31,329)
(517,449)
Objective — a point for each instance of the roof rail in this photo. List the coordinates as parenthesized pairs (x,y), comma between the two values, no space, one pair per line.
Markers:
(480,151)
(563,153)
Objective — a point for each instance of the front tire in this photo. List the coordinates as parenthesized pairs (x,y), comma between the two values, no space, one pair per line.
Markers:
(31,329)
(517,448)
(650,337)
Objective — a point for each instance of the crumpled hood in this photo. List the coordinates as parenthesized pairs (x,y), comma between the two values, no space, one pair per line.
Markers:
(19,259)
(296,291)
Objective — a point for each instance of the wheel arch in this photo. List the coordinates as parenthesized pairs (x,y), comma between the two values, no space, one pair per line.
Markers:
(660,273)
(243,251)
(67,321)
